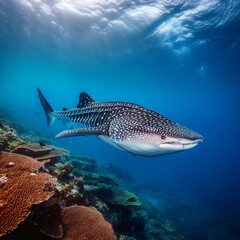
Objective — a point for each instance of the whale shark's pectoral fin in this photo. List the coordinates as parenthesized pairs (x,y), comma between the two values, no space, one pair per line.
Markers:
(82,132)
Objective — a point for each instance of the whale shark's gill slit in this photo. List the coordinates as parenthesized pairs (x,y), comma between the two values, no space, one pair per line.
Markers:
(94,119)
(83,118)
(87,118)
(98,120)
(80,118)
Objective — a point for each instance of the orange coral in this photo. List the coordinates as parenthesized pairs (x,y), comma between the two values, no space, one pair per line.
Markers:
(25,187)
(81,222)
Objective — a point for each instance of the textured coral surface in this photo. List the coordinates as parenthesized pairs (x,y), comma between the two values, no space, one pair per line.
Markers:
(8,137)
(85,223)
(25,187)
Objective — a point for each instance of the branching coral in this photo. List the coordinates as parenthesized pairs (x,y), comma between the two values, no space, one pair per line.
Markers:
(25,187)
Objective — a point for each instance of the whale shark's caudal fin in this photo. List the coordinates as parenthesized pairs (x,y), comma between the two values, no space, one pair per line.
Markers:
(47,108)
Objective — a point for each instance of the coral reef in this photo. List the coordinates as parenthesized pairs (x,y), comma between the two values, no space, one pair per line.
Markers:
(62,171)
(83,163)
(71,193)
(24,132)
(8,138)
(87,202)
(40,152)
(25,186)
(80,222)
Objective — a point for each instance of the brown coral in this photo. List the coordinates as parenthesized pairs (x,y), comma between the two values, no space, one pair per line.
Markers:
(39,152)
(80,223)
(25,187)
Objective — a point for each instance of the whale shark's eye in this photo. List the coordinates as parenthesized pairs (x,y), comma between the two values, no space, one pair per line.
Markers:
(163,137)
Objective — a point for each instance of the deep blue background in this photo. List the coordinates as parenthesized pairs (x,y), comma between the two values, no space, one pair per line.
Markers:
(199,89)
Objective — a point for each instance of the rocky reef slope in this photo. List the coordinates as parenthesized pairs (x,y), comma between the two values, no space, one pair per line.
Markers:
(50,193)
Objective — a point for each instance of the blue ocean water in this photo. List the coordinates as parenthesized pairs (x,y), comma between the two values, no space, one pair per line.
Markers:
(179,58)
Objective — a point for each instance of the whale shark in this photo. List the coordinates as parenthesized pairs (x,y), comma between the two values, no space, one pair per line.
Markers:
(124,125)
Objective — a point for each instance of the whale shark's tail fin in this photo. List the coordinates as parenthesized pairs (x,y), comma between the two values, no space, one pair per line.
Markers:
(47,108)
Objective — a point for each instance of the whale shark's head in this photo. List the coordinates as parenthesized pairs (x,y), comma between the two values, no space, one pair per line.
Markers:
(176,137)
(165,140)
(170,144)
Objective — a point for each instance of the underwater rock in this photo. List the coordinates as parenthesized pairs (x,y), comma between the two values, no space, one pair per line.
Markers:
(85,223)
(50,222)
(71,193)
(101,180)
(129,222)
(101,206)
(25,186)
(83,163)
(160,227)
(63,172)
(119,196)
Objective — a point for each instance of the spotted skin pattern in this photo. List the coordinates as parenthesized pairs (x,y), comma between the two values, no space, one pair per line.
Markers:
(122,121)
(126,126)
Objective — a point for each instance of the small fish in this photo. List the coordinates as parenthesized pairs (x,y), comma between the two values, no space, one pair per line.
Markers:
(126,126)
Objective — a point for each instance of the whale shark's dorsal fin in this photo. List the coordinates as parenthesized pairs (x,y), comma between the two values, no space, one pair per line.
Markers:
(84,100)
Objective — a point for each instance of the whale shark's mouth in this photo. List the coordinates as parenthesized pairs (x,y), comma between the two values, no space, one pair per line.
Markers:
(149,148)
(181,144)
